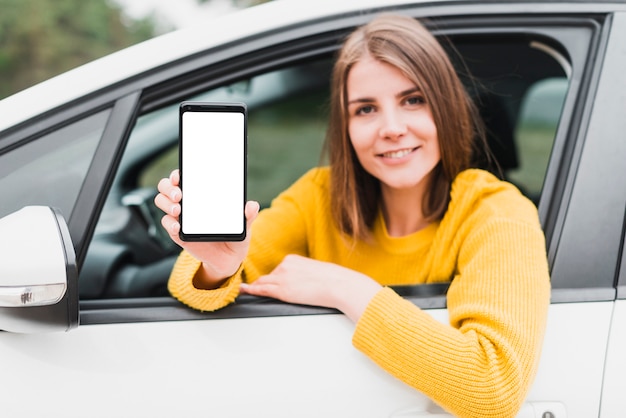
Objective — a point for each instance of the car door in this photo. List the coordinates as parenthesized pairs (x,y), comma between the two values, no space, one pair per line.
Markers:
(613,402)
(138,352)
(608,128)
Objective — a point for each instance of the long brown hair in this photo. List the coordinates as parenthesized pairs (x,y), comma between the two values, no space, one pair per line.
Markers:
(406,44)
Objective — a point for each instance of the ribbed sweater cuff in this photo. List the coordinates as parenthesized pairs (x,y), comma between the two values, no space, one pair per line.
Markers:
(181,286)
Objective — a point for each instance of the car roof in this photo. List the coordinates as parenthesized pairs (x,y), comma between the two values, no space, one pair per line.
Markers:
(161,50)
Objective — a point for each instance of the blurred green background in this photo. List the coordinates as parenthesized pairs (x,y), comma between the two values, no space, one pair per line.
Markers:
(43,38)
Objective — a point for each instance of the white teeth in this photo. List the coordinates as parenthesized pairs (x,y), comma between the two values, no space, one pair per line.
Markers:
(398,154)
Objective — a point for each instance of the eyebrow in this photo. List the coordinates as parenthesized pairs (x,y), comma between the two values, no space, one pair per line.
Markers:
(407,92)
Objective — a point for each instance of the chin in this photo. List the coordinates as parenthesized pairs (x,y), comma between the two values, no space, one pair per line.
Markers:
(403,184)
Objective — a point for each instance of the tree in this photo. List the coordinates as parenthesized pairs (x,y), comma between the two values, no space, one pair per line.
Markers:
(42,38)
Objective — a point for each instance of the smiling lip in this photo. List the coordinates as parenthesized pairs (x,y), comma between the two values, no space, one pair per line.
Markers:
(398,153)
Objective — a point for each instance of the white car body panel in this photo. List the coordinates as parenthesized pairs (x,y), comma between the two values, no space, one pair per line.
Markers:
(255,367)
(572,361)
(613,391)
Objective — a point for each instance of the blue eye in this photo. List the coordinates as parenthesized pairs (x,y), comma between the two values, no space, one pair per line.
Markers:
(364,110)
(415,100)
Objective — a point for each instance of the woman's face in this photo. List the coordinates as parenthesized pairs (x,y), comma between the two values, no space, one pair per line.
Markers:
(391,126)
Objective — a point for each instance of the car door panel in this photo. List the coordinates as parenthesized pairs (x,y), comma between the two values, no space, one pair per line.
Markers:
(613,399)
(279,366)
(276,366)
(572,361)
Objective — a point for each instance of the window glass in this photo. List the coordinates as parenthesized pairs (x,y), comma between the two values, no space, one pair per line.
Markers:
(535,131)
(50,170)
(519,86)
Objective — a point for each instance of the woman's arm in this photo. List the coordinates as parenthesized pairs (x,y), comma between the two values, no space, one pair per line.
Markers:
(484,361)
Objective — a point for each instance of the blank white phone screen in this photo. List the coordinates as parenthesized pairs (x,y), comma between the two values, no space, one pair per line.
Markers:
(213,172)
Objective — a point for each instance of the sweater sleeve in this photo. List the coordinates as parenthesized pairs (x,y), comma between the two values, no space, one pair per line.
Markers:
(180,286)
(277,231)
(483,362)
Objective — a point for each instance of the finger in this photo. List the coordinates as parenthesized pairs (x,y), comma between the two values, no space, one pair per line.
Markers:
(260,289)
(166,205)
(251,211)
(267,279)
(166,187)
(175,177)
(172,226)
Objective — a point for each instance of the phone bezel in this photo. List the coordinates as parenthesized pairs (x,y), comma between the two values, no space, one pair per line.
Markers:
(195,106)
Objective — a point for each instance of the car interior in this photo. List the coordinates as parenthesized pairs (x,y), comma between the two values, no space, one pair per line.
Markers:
(518,83)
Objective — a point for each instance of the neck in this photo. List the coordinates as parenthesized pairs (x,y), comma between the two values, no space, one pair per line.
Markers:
(402,210)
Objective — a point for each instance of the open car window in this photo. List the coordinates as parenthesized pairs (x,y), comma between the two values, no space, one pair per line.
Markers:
(518,84)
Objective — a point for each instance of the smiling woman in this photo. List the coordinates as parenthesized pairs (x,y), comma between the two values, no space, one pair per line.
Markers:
(394,136)
(395,139)
(399,204)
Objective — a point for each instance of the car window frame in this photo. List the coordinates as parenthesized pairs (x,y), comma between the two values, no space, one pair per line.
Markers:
(191,76)
(593,213)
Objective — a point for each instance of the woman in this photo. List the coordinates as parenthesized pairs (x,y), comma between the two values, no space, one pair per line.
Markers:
(398,205)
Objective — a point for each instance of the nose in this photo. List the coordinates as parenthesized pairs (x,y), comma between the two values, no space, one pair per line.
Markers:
(392,125)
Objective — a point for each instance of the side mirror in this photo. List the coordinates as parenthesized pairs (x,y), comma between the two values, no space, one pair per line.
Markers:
(38,273)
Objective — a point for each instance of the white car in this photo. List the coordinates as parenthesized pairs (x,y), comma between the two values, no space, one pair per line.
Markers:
(89,329)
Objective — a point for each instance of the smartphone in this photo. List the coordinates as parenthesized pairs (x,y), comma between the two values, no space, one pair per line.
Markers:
(212,162)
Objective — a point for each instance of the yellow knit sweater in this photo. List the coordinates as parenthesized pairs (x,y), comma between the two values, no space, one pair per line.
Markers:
(489,243)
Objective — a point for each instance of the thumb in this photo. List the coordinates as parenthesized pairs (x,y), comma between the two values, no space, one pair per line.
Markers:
(251,211)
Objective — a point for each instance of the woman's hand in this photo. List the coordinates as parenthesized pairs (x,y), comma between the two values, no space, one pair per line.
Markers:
(306,281)
(220,260)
